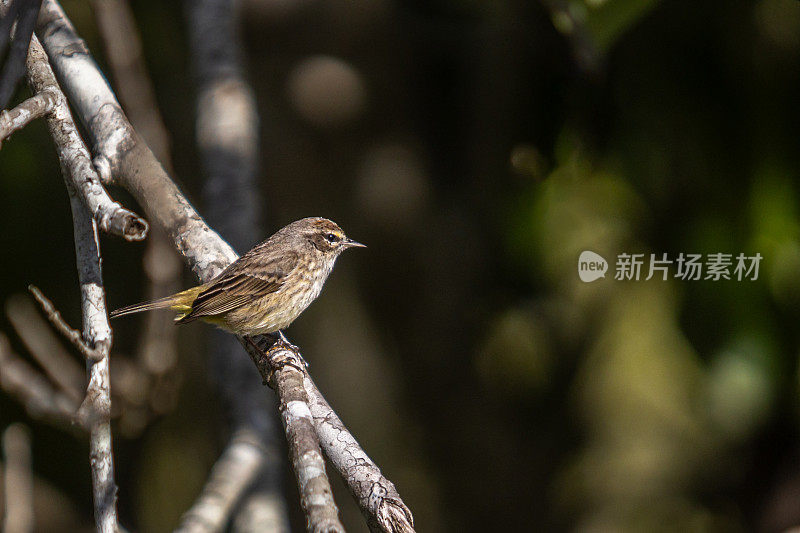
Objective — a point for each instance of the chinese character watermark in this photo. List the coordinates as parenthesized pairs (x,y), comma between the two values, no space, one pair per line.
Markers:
(686,267)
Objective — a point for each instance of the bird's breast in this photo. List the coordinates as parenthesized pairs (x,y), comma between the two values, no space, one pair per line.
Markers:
(281,308)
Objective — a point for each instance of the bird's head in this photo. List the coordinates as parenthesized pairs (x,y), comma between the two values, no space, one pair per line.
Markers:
(325,236)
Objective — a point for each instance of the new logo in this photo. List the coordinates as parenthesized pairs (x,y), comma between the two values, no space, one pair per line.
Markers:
(591,266)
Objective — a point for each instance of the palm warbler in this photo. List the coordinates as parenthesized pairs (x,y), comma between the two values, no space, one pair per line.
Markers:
(268,287)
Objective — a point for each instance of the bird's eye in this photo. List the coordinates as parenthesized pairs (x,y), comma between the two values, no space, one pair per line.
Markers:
(332,238)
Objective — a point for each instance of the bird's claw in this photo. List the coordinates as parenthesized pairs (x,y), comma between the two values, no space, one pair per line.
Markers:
(277,363)
(283,343)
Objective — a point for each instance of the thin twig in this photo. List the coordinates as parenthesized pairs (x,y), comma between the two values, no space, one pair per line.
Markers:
(58,322)
(26,112)
(45,346)
(18,480)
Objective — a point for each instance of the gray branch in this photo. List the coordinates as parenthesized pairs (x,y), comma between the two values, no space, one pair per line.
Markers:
(34,107)
(284,369)
(91,208)
(97,335)
(122,156)
(377,496)
(233,472)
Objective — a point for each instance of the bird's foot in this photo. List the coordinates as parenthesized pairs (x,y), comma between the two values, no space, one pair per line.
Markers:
(283,343)
(279,362)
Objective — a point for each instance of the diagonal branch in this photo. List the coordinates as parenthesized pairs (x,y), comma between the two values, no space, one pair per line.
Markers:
(122,156)
(58,322)
(377,496)
(232,474)
(281,366)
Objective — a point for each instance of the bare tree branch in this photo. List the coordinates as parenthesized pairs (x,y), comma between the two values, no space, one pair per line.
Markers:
(232,474)
(91,207)
(97,335)
(58,322)
(282,367)
(18,480)
(121,152)
(34,107)
(377,496)
(111,217)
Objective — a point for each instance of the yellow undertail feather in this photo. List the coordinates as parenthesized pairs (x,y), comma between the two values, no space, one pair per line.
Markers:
(180,302)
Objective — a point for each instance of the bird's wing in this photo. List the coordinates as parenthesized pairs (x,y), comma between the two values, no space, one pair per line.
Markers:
(244,281)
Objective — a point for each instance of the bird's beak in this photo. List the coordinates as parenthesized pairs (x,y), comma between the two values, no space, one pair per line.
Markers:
(353,244)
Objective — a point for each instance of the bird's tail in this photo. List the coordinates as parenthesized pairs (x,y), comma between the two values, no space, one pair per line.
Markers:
(181,302)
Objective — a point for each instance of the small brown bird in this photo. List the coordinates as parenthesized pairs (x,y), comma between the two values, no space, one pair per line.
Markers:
(267,288)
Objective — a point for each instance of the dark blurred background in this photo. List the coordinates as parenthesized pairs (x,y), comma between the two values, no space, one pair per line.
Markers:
(478,147)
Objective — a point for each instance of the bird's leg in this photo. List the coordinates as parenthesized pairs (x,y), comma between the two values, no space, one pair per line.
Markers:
(249,339)
(275,365)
